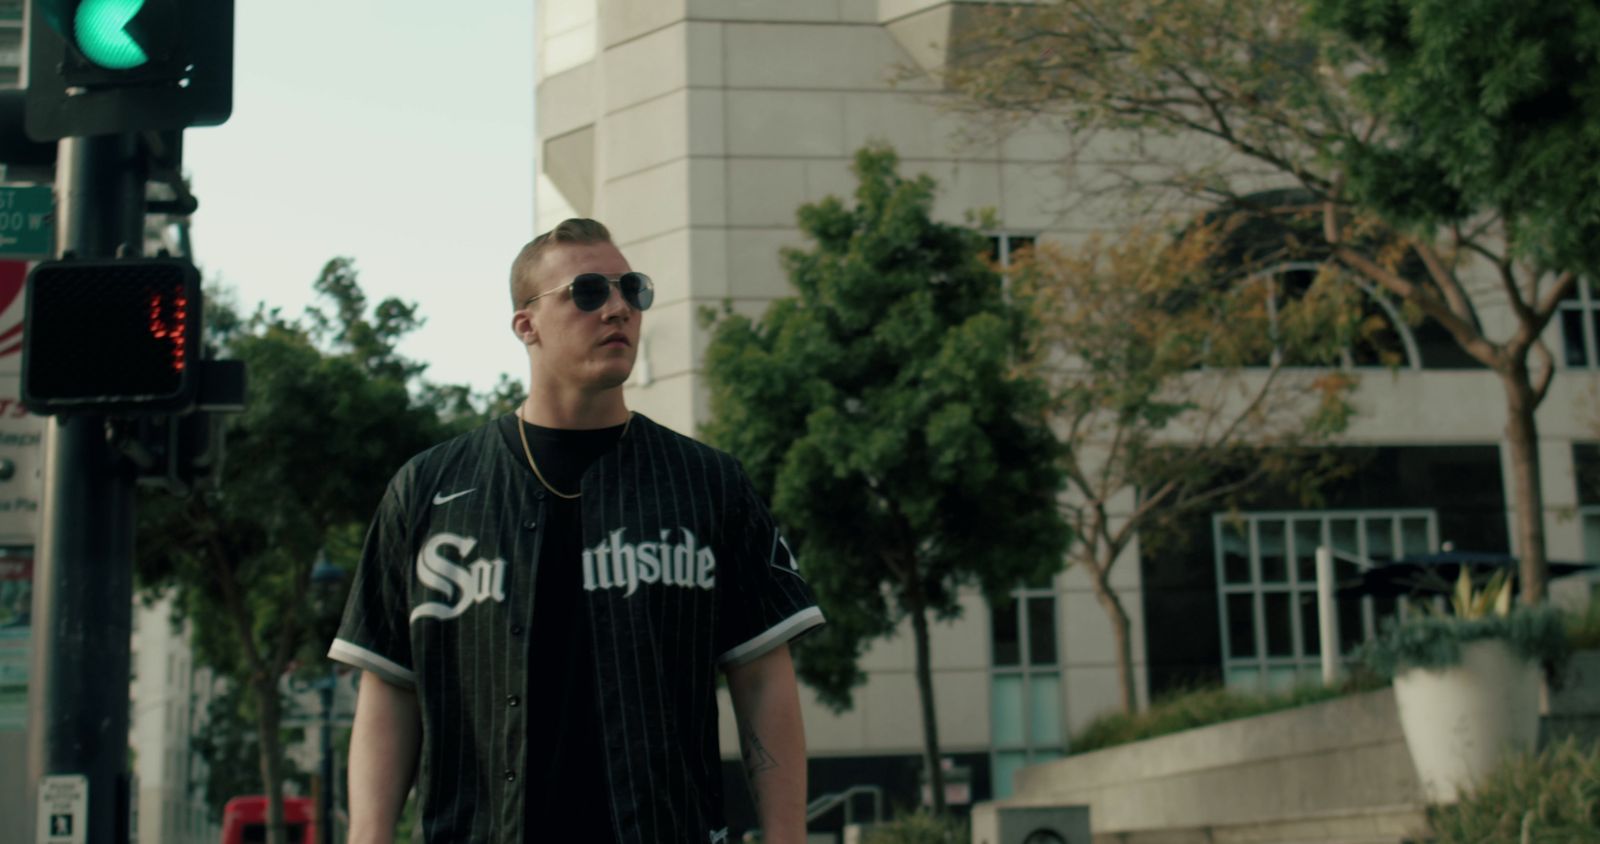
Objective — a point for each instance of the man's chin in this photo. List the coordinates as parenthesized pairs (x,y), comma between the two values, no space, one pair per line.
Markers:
(613,376)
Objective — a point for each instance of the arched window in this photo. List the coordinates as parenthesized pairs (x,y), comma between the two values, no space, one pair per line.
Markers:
(1274,238)
(1383,337)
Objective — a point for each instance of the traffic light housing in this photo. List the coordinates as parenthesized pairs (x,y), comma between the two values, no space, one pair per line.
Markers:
(100,67)
(115,337)
(16,148)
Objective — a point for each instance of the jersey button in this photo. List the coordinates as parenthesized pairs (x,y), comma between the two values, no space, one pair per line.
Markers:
(538,494)
(512,701)
(511,776)
(516,630)
(529,524)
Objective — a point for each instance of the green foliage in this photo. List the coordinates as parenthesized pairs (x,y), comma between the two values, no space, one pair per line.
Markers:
(229,743)
(1468,601)
(1495,597)
(1501,105)
(919,828)
(409,826)
(1430,641)
(883,412)
(1552,797)
(1583,626)
(1204,707)
(332,412)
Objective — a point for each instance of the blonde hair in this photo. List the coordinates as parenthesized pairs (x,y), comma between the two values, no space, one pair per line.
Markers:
(577,231)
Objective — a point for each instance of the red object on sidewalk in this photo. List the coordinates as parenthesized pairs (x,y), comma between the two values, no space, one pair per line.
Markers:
(244,820)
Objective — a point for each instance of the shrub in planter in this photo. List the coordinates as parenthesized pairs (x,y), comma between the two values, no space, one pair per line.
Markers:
(1537,634)
(1467,685)
(1202,707)
(1553,796)
(919,828)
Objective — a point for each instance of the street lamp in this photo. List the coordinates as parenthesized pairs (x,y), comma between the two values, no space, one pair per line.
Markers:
(325,577)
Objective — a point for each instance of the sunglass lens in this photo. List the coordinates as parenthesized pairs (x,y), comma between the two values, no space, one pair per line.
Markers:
(590,291)
(638,290)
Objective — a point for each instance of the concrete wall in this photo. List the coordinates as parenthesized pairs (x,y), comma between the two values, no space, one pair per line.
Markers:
(1345,754)
(1342,764)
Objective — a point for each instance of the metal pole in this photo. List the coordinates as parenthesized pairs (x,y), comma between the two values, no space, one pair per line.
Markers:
(325,799)
(78,700)
(1327,616)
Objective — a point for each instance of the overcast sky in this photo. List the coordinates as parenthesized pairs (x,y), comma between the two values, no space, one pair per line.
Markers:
(395,132)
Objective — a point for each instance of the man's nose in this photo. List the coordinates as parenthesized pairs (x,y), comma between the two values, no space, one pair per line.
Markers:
(616,305)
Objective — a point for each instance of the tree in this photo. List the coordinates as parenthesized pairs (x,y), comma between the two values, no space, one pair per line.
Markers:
(883,411)
(228,741)
(1466,129)
(330,417)
(1169,388)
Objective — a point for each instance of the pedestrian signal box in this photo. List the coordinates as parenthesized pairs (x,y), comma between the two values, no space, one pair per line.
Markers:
(116,337)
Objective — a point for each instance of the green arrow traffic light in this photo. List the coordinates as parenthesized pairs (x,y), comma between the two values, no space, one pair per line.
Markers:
(101,31)
(104,66)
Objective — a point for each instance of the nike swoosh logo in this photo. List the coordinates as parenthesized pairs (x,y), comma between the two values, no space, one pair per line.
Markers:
(440,498)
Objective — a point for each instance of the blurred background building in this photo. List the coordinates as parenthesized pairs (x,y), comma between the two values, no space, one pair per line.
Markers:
(169,698)
(695,128)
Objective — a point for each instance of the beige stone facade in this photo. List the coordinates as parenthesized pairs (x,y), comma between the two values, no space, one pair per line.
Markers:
(695,130)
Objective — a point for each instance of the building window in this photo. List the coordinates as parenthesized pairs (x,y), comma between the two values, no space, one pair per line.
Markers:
(1004,247)
(1590,514)
(1586,472)
(1272,238)
(1580,325)
(1025,687)
(1267,577)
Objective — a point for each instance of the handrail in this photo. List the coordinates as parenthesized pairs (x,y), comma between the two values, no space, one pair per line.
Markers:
(828,802)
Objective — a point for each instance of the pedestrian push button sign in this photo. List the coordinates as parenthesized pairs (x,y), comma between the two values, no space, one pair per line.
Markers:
(63,810)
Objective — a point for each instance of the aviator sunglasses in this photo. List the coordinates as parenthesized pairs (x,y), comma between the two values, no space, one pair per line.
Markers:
(591,290)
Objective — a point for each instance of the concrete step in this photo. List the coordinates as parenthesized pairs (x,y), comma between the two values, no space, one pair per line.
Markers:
(1403,824)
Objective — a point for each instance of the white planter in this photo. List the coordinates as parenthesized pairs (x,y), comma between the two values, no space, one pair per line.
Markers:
(1460,722)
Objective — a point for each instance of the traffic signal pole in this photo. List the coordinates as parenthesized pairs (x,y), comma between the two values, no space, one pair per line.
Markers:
(83,576)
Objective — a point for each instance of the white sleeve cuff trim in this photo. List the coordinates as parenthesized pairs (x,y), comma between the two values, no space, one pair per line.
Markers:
(366,660)
(774,636)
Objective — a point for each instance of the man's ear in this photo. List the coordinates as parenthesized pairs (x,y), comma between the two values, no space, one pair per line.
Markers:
(522,325)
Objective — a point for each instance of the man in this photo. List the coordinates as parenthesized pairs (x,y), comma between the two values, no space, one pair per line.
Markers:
(542,604)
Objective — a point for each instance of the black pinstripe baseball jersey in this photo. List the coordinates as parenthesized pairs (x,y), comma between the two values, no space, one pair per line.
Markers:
(683,572)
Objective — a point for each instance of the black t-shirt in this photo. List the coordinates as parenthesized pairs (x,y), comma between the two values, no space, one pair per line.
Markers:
(566,763)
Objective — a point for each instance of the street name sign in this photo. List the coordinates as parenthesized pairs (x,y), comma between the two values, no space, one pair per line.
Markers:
(27,221)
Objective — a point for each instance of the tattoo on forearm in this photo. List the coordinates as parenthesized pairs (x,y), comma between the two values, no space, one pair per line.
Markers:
(756,757)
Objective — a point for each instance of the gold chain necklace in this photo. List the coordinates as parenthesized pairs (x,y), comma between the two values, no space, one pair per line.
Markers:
(523,432)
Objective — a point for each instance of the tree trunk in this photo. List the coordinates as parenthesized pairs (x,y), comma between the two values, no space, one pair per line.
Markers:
(1522,437)
(271,767)
(930,724)
(1121,633)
